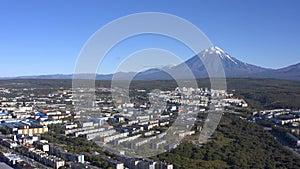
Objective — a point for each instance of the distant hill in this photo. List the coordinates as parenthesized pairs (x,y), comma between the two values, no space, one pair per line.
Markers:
(233,68)
(290,73)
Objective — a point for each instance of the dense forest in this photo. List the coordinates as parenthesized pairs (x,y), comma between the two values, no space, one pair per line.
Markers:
(236,144)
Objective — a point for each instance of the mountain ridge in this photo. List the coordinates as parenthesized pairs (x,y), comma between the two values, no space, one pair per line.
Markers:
(233,68)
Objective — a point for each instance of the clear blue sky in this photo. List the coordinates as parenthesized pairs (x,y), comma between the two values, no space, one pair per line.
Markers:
(45,37)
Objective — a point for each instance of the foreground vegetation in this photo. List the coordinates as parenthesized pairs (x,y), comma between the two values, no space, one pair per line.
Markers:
(237,144)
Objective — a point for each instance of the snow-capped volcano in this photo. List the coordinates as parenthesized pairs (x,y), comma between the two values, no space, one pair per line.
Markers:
(223,55)
(232,66)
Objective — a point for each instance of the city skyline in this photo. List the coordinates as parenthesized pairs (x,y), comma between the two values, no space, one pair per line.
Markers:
(46,38)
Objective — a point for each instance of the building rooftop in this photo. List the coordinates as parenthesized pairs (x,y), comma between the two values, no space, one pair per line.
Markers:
(4,166)
(14,157)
